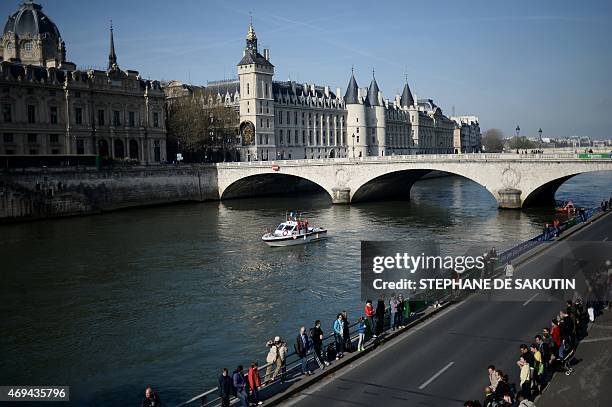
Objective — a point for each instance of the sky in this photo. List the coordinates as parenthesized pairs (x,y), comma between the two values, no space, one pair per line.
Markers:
(544,64)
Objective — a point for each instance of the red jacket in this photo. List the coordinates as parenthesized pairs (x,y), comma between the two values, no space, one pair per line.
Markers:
(555,332)
(369,310)
(254,379)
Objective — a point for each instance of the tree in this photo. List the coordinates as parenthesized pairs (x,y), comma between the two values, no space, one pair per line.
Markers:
(201,132)
(521,143)
(493,141)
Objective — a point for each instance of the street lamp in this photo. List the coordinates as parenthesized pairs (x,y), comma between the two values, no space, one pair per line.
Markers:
(353,145)
(540,133)
(518,130)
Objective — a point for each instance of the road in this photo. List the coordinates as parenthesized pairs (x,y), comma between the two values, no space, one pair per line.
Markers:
(443,362)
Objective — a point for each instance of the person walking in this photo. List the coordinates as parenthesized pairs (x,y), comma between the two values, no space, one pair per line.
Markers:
(371,316)
(240,385)
(338,328)
(151,399)
(316,334)
(361,328)
(254,383)
(380,315)
(346,333)
(509,270)
(302,345)
(393,302)
(225,388)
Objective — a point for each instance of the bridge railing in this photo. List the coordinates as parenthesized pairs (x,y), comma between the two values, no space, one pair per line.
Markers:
(417,158)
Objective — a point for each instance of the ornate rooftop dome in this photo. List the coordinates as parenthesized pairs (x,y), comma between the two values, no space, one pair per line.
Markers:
(30,19)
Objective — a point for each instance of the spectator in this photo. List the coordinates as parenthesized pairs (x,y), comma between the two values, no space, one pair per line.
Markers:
(489,399)
(151,399)
(401,307)
(302,345)
(492,377)
(316,334)
(346,333)
(276,357)
(380,315)
(502,391)
(544,349)
(240,386)
(361,328)
(538,365)
(527,354)
(254,383)
(525,375)
(225,388)
(523,401)
(509,270)
(393,302)
(338,328)
(371,316)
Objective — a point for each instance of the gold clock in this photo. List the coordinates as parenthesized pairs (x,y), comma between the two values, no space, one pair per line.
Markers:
(247,134)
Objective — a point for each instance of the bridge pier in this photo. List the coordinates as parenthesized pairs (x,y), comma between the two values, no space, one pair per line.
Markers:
(341,195)
(509,198)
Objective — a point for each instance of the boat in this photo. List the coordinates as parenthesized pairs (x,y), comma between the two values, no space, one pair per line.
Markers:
(566,207)
(293,231)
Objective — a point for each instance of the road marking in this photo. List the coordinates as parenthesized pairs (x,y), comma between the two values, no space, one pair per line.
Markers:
(434,377)
(597,340)
(605,238)
(530,299)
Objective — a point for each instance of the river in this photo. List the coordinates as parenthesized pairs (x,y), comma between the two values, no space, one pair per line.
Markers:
(166,296)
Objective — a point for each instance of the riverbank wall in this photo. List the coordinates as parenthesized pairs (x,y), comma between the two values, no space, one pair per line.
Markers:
(48,193)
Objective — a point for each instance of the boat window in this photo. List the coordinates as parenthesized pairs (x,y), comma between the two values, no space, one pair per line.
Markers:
(288,227)
(280,227)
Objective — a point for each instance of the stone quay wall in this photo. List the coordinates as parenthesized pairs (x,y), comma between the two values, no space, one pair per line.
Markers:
(46,193)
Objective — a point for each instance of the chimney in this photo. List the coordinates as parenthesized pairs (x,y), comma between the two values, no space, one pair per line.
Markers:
(267,54)
(312,88)
(338,94)
(326,91)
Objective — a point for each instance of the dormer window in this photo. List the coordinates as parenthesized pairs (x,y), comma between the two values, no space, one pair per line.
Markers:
(27,46)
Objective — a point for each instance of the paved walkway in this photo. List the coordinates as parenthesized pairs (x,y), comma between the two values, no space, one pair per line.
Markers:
(591,382)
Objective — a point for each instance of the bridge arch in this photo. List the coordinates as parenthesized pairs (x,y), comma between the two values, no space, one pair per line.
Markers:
(544,194)
(397,185)
(270,184)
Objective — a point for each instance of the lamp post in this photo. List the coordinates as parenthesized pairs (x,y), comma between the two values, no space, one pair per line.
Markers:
(540,133)
(518,131)
(353,146)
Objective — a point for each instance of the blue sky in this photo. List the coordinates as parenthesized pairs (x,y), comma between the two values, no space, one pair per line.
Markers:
(538,64)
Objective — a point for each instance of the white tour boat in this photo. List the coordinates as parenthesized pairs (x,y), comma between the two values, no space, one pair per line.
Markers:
(293,231)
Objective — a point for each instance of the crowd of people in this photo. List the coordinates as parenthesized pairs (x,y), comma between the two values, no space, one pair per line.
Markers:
(551,351)
(606,205)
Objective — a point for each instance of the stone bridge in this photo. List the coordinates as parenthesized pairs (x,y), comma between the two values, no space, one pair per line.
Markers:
(514,180)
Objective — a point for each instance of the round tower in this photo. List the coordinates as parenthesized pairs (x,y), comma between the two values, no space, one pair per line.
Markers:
(356,121)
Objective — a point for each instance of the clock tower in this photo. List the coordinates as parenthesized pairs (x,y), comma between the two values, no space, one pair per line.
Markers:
(255,73)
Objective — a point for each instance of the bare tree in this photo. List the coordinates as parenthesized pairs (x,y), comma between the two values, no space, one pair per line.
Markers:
(493,141)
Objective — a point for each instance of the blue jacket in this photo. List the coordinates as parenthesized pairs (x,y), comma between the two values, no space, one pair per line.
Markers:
(238,381)
(338,326)
(361,327)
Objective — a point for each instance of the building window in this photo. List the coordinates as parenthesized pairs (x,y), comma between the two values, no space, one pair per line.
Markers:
(248,88)
(358,139)
(9,152)
(55,151)
(268,123)
(27,46)
(53,138)
(288,117)
(53,114)
(33,152)
(155,119)
(31,114)
(357,129)
(132,119)
(281,136)
(32,138)
(78,115)
(157,151)
(116,118)
(101,117)
(77,94)
(8,137)
(266,90)
(7,113)
(280,117)
(80,146)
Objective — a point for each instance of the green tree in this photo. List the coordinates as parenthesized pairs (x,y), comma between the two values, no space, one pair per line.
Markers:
(521,143)
(493,141)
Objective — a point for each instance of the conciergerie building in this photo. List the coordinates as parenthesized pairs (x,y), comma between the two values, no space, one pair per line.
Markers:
(289,120)
(49,107)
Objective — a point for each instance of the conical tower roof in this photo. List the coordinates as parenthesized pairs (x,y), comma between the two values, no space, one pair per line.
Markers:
(352,92)
(373,93)
(407,99)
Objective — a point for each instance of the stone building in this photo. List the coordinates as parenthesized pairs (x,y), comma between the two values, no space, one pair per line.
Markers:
(289,120)
(48,107)
(466,135)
